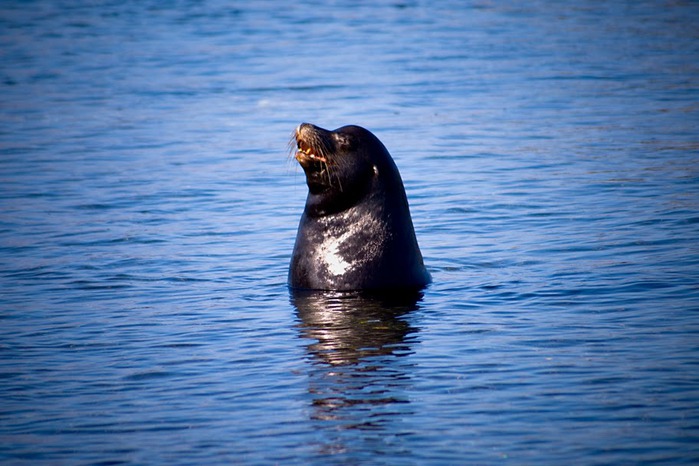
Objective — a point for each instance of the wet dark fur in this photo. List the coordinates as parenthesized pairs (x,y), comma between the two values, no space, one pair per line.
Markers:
(356,232)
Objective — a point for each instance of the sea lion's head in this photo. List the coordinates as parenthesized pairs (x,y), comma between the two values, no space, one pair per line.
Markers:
(340,165)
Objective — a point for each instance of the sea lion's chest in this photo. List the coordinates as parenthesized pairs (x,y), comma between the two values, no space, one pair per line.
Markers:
(341,248)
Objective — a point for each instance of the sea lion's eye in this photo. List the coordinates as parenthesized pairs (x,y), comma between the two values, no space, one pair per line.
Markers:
(345,141)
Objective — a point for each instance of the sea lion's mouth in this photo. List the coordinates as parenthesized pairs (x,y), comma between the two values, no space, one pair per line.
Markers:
(316,155)
(306,154)
(313,146)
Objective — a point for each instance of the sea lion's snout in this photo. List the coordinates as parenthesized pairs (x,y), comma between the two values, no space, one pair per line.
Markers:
(312,144)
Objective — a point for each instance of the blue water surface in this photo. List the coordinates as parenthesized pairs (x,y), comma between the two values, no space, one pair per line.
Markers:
(149,205)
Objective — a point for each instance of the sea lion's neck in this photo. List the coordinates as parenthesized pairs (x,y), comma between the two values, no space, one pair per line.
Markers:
(335,201)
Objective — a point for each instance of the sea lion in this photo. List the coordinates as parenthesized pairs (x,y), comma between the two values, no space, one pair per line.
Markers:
(355,232)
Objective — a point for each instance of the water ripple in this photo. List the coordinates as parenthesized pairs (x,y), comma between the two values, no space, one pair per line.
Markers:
(148,207)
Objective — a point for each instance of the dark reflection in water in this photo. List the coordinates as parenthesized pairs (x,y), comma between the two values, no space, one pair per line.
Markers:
(358,371)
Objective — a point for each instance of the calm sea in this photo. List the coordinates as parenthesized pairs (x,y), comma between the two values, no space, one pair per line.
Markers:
(148,208)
